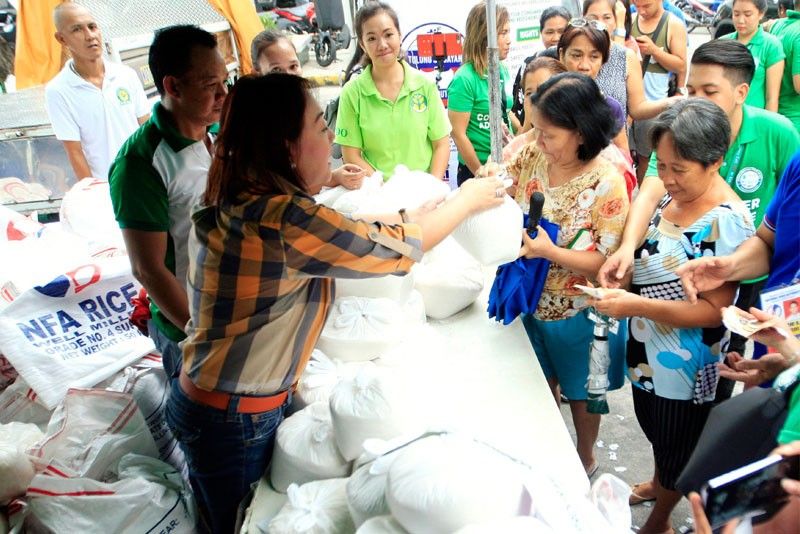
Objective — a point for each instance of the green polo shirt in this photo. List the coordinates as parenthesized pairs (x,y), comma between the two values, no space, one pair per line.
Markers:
(788,32)
(392,133)
(766,50)
(755,161)
(469,93)
(156,181)
(791,428)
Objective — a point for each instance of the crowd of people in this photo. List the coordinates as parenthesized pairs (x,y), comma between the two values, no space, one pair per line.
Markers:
(678,200)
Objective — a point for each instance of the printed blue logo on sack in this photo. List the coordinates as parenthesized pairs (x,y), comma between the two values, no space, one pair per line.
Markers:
(59,287)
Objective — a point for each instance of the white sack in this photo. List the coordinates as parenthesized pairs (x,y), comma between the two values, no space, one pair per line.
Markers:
(15,226)
(16,467)
(86,211)
(408,189)
(448,278)
(16,472)
(320,377)
(396,288)
(305,449)
(373,404)
(329,195)
(352,201)
(360,329)
(148,496)
(146,380)
(366,489)
(384,524)
(74,331)
(443,483)
(90,431)
(493,237)
(315,508)
(18,402)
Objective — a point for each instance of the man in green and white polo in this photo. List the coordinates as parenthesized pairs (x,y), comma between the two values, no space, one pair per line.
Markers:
(160,174)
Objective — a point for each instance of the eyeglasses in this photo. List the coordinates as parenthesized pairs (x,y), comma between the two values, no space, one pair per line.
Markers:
(581,23)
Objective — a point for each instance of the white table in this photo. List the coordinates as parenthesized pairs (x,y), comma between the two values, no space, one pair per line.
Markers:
(487,382)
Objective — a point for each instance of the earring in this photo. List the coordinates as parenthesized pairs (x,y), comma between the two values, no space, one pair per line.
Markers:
(292,165)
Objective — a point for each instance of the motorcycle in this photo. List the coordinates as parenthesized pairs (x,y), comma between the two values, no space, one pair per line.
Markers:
(697,14)
(324,20)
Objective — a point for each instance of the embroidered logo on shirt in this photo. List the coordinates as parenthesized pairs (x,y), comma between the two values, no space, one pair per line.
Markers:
(749,179)
(123,96)
(341,132)
(419,102)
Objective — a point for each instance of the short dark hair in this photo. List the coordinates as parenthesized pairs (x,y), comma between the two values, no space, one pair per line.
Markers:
(734,58)
(553,66)
(786,4)
(249,157)
(573,101)
(599,38)
(366,12)
(553,12)
(264,40)
(171,51)
(699,128)
(761,5)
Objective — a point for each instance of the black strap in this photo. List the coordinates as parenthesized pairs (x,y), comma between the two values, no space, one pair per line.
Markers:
(654,38)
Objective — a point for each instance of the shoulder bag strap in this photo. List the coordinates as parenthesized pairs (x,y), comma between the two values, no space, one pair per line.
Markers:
(646,59)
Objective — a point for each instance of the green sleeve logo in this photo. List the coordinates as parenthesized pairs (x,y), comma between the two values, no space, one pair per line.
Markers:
(341,132)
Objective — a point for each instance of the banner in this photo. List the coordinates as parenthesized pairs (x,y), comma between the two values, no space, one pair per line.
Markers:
(74,331)
(433,34)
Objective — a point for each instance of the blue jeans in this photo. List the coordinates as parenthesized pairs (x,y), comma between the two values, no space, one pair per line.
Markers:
(171,353)
(226,452)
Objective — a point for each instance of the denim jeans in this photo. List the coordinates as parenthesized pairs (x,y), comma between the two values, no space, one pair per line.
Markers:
(226,452)
(171,353)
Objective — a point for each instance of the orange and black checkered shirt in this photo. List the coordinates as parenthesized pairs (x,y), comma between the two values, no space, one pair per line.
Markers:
(261,283)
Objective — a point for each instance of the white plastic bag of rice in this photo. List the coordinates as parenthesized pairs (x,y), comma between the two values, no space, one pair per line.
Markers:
(493,237)
(372,404)
(410,190)
(320,377)
(448,278)
(314,508)
(366,489)
(16,467)
(443,483)
(361,329)
(384,524)
(305,449)
(396,288)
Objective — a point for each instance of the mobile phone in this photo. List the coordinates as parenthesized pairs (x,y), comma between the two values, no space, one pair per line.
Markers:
(751,490)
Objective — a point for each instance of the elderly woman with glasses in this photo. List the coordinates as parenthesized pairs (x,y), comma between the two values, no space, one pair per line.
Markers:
(586,47)
(674,346)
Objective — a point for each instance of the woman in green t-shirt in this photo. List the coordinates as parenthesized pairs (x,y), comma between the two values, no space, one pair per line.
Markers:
(766,49)
(468,94)
(391,114)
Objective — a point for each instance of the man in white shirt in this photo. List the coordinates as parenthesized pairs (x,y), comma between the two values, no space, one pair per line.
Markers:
(94,105)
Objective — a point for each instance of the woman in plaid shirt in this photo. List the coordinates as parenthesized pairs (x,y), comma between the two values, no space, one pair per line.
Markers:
(263,256)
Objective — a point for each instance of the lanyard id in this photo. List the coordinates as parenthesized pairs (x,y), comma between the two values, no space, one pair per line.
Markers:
(734,168)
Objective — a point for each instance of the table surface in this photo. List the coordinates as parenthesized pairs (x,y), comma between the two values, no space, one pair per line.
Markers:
(483,379)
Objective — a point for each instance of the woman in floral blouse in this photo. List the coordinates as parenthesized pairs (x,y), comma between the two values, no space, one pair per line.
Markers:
(586,196)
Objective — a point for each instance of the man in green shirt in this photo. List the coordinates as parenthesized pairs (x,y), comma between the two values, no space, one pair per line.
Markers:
(160,173)
(788,31)
(762,144)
